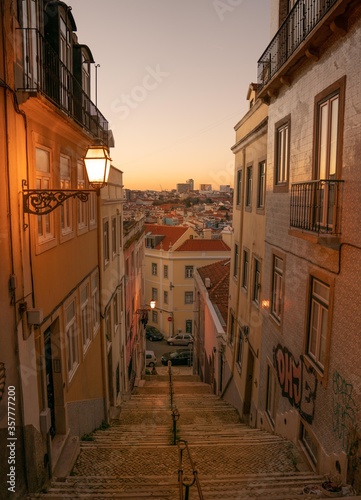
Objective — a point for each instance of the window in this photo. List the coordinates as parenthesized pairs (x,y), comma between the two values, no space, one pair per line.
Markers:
(85,314)
(92,209)
(116,312)
(249,187)
(239,349)
(65,67)
(188,272)
(149,243)
(189,326)
(43,173)
(261,188)
(120,232)
(271,395)
(235,262)
(95,301)
(155,316)
(106,256)
(154,294)
(154,269)
(114,237)
(318,322)
(188,297)
(328,147)
(231,330)
(165,297)
(245,269)
(256,281)
(165,271)
(71,336)
(282,154)
(277,288)
(66,217)
(82,207)
(108,325)
(239,187)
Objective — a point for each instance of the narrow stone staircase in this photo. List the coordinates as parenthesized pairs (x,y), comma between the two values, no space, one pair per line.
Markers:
(134,458)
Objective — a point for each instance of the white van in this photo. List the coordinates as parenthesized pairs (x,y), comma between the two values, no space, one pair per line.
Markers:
(150,358)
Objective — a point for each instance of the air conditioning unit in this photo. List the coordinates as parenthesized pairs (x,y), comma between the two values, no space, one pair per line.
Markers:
(35,316)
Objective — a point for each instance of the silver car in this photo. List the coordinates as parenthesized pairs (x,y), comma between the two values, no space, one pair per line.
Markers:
(181,339)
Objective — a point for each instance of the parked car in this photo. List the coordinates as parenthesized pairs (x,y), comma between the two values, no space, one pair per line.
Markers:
(152,333)
(151,358)
(181,339)
(179,357)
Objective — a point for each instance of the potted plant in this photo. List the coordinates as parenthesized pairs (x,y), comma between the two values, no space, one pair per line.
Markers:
(332,485)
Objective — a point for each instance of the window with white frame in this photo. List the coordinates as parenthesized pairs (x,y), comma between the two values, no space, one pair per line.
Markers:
(85,314)
(66,215)
(231,330)
(248,201)
(106,250)
(154,269)
(188,273)
(239,187)
(114,236)
(282,154)
(271,394)
(245,269)
(154,316)
(318,322)
(82,207)
(239,348)
(277,288)
(261,188)
(92,210)
(165,297)
(95,301)
(188,297)
(71,336)
(43,176)
(256,281)
(155,294)
(235,260)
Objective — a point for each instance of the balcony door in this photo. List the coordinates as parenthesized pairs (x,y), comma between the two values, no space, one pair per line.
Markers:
(65,65)
(29,22)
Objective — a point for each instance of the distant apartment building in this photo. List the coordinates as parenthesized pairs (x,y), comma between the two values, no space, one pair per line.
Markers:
(225,188)
(243,370)
(205,187)
(171,256)
(183,187)
(310,389)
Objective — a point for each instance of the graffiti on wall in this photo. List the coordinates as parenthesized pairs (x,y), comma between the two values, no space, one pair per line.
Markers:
(344,411)
(297,381)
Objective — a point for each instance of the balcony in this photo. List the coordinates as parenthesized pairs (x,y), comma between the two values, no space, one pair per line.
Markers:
(45,73)
(316,207)
(306,28)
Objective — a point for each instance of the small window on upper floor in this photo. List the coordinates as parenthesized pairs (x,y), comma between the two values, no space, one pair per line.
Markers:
(282,155)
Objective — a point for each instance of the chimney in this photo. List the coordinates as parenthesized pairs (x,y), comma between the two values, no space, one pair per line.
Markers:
(207,282)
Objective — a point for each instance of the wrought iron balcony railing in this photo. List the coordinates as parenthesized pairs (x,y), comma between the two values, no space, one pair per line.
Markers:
(301,20)
(316,206)
(44,72)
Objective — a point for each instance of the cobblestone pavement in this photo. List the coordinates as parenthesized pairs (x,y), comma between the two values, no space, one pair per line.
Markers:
(135,458)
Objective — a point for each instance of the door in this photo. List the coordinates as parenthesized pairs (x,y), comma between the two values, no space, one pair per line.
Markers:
(49,379)
(249,385)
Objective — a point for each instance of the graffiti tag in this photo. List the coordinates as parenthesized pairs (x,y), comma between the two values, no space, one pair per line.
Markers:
(344,410)
(297,381)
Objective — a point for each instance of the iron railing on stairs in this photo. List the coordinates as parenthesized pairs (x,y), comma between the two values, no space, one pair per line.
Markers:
(183,482)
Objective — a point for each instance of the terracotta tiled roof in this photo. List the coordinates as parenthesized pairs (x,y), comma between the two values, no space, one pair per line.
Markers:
(218,274)
(202,245)
(171,234)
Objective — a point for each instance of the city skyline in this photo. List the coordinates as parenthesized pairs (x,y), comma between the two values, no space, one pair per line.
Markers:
(172,79)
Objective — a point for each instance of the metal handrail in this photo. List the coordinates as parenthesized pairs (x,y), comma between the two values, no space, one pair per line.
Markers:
(300,22)
(183,446)
(171,391)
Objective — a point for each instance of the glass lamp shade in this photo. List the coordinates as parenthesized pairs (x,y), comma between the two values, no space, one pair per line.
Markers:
(152,304)
(97,164)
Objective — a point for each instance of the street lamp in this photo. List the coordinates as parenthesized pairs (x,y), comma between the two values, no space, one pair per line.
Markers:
(43,201)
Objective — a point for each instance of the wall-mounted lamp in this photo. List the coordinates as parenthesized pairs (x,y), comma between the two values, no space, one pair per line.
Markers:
(43,201)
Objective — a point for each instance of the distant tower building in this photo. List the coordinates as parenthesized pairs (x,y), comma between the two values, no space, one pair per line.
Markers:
(191,184)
